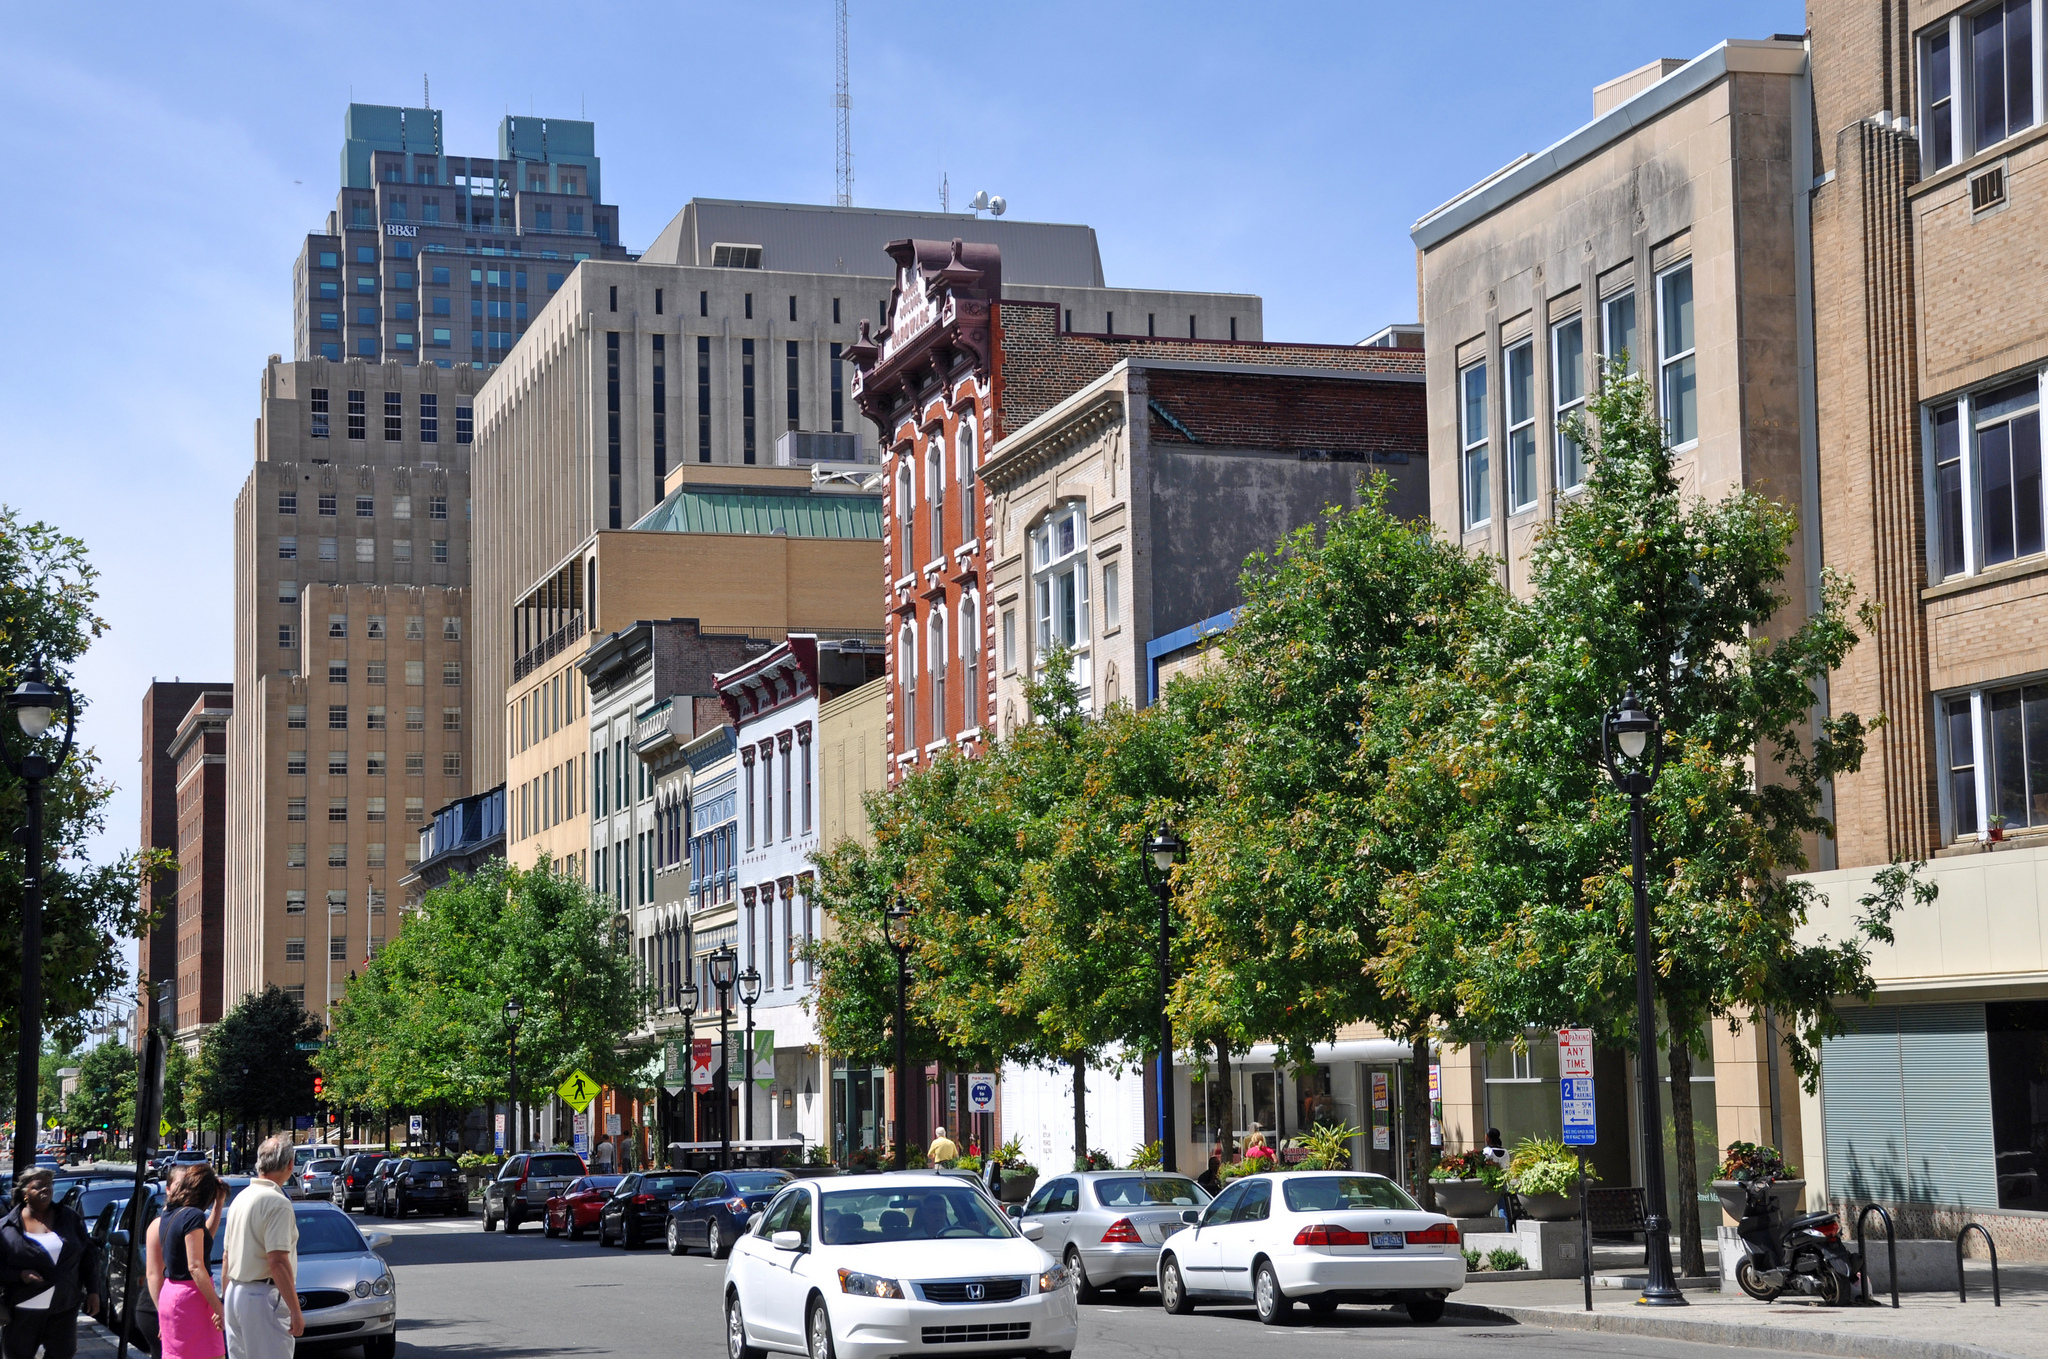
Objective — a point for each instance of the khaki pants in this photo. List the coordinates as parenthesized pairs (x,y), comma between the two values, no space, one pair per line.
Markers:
(259,1323)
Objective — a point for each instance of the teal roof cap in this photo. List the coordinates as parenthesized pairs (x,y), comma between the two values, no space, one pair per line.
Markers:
(793,514)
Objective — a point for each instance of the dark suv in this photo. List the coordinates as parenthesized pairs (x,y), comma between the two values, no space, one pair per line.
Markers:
(354,1177)
(418,1183)
(525,1183)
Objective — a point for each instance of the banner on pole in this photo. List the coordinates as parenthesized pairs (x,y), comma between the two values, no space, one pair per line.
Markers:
(700,1063)
(764,1058)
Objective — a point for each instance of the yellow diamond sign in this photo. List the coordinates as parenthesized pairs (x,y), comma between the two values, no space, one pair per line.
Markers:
(579,1090)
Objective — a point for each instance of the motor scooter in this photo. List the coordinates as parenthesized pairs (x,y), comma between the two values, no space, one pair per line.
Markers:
(1805,1256)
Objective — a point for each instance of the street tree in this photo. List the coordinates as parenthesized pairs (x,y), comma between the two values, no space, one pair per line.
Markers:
(251,1066)
(105,1095)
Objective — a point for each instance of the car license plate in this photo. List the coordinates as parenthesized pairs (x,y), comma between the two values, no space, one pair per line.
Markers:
(1389,1240)
(433,1184)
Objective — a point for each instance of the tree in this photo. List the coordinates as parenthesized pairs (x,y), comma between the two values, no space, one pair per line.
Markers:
(105,1096)
(48,600)
(251,1067)
(1523,906)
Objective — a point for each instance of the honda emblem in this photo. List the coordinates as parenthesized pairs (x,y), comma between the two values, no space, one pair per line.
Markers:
(976,1292)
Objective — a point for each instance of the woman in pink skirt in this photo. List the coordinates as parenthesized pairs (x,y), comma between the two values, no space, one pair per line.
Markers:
(187,1306)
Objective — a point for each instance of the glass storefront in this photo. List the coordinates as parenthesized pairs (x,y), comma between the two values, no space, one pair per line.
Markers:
(2016,1042)
(859,1099)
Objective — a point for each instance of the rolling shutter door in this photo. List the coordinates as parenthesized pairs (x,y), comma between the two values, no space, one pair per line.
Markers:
(1906,1100)
(1863,1106)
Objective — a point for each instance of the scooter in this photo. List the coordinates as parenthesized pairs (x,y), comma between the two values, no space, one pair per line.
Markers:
(1805,1256)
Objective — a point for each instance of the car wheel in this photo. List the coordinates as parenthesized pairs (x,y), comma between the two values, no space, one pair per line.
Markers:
(398,1206)
(1322,1307)
(736,1346)
(490,1223)
(576,1232)
(381,1346)
(628,1238)
(547,1227)
(604,1237)
(1077,1278)
(1173,1292)
(818,1331)
(511,1220)
(1274,1306)
(1424,1308)
(714,1241)
(675,1239)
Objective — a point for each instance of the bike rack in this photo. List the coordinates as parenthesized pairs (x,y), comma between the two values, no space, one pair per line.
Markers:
(1962,1285)
(1891,1249)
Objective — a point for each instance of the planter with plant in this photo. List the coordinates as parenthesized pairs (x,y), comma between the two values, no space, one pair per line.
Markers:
(1146,1157)
(1328,1146)
(1746,1161)
(1544,1174)
(1096,1159)
(1466,1185)
(1020,1177)
(1997,824)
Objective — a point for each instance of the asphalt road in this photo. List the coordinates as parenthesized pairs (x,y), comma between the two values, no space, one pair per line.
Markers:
(464,1292)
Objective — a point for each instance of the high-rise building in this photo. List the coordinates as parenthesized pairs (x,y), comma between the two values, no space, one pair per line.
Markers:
(433,258)
(352,686)
(199,748)
(166,705)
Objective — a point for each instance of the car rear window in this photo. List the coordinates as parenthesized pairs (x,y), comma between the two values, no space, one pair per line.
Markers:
(666,1184)
(757,1181)
(1150,1191)
(433,1167)
(323,1167)
(1336,1193)
(606,1183)
(554,1165)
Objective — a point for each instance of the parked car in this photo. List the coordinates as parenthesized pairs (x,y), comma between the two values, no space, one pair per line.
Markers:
(316,1180)
(422,1184)
(1322,1237)
(524,1185)
(88,1197)
(714,1213)
(353,1177)
(859,1267)
(1105,1226)
(347,1292)
(637,1211)
(574,1210)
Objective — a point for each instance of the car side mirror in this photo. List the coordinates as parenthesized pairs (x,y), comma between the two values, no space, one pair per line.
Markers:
(1193,1215)
(379,1240)
(1015,1212)
(1033,1230)
(787,1240)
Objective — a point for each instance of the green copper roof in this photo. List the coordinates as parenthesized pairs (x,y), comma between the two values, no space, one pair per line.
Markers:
(794,514)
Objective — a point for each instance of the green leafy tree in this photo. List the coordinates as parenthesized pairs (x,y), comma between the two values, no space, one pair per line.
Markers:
(105,1097)
(250,1065)
(49,598)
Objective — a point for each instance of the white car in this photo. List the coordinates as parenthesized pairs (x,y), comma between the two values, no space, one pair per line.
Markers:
(869,1266)
(1315,1236)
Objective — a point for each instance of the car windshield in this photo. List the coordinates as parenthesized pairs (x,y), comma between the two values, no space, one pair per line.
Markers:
(324,1231)
(1334,1193)
(666,1184)
(757,1181)
(554,1165)
(432,1167)
(1150,1191)
(917,1213)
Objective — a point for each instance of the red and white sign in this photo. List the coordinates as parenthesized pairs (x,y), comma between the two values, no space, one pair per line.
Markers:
(1574,1052)
(700,1063)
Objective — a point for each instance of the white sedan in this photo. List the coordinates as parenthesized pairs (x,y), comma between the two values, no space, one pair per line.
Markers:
(867,1266)
(1320,1237)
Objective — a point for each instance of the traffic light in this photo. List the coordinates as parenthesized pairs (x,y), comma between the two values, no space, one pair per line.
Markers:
(319,1084)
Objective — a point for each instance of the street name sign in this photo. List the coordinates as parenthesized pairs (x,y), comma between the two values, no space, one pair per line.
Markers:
(579,1090)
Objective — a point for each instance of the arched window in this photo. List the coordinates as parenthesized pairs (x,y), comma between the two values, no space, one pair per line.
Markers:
(905,497)
(970,661)
(969,529)
(1059,568)
(906,680)
(935,492)
(937,654)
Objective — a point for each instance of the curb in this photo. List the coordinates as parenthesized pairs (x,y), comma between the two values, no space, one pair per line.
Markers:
(1747,1335)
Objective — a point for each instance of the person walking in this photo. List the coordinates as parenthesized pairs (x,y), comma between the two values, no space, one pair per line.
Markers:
(44,1253)
(187,1307)
(943,1150)
(260,1262)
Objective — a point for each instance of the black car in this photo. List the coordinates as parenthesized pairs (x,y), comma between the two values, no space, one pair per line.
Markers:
(637,1211)
(714,1213)
(354,1177)
(524,1185)
(88,1197)
(417,1184)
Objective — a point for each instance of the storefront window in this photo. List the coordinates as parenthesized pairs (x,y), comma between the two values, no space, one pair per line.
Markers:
(2016,1034)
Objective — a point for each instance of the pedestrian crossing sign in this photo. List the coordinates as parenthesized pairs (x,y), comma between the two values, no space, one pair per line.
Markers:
(579,1090)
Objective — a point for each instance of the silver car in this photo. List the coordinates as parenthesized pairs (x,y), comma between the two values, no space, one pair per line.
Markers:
(1106,1226)
(313,1180)
(346,1290)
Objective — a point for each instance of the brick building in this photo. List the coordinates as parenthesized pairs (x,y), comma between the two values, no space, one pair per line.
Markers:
(166,705)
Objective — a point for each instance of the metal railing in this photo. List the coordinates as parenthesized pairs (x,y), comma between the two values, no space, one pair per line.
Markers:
(550,645)
(1962,1285)
(652,723)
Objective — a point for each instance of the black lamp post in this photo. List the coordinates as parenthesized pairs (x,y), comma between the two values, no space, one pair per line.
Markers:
(34,705)
(724,962)
(1160,852)
(899,914)
(688,1005)
(1634,756)
(514,1012)
(750,992)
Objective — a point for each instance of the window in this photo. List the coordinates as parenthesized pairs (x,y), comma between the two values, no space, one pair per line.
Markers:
(935,493)
(451,719)
(1937,88)
(337,763)
(1521,395)
(295,809)
(1568,399)
(1678,375)
(373,717)
(790,366)
(614,297)
(415,672)
(451,764)
(394,417)
(1959,731)
(328,506)
(906,705)
(451,629)
(375,765)
(964,458)
(970,656)
(1059,558)
(703,398)
(373,809)
(465,424)
(612,418)
(357,416)
(451,674)
(288,547)
(1951,533)
(415,764)
(337,809)
(415,628)
(437,507)
(337,717)
(337,672)
(287,502)
(295,857)
(936,654)
(415,719)
(1112,598)
(295,949)
(337,948)
(660,405)
(1619,328)
(337,857)
(287,636)
(1472,438)
(330,549)
(838,382)
(440,549)
(375,671)
(746,395)
(374,627)
(905,498)
(1009,641)
(373,854)
(366,549)
(415,810)
(2002,70)
(2008,429)
(295,717)
(318,408)
(2016,728)
(366,507)
(430,408)
(750,306)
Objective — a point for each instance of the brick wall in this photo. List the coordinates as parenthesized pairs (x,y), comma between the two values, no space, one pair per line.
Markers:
(1339,416)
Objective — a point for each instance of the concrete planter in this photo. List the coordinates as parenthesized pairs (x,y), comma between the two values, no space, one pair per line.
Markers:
(1464,1198)
(1550,1207)
(1017,1185)
(1790,1195)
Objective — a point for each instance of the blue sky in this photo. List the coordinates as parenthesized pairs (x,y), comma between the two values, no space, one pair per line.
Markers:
(166,162)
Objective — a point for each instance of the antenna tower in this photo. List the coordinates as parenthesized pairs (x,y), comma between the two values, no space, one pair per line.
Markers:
(841,105)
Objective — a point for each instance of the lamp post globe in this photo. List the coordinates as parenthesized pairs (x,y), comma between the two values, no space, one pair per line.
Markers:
(34,703)
(1160,853)
(899,941)
(724,962)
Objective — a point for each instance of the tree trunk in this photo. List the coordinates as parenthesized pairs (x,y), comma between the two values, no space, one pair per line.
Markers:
(1692,1258)
(1080,1111)
(1226,1139)
(1422,1156)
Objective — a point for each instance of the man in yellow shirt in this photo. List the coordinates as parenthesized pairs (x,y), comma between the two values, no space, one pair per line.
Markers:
(259,1262)
(943,1150)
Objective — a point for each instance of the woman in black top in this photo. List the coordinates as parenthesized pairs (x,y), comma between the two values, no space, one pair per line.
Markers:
(44,1254)
(187,1305)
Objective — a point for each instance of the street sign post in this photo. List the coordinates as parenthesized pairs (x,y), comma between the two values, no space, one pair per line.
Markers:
(578,1090)
(498,1133)
(1575,1084)
(416,1125)
(981,1092)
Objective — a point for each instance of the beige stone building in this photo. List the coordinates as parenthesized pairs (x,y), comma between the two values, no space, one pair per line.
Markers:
(352,709)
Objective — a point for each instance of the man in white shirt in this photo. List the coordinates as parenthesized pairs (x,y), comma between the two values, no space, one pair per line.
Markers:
(259,1262)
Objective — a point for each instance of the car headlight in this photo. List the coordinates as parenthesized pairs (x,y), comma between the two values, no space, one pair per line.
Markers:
(1053,1280)
(381,1285)
(868,1285)
(362,1288)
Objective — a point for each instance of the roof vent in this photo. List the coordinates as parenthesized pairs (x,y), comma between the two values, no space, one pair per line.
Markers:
(1988,189)
(725,256)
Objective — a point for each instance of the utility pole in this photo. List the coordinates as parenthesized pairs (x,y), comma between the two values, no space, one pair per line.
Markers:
(842,105)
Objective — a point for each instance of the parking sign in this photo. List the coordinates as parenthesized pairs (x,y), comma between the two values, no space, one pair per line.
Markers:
(981,1092)
(1575,1066)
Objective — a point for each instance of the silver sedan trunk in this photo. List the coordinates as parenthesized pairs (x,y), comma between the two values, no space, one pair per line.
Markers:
(1106,1226)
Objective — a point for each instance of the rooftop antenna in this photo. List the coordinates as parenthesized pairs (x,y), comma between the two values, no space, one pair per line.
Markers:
(842,104)
(426,92)
(945,192)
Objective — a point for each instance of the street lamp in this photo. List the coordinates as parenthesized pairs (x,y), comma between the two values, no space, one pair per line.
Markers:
(34,705)
(899,914)
(750,992)
(1634,756)
(724,962)
(515,1011)
(1160,853)
(688,1005)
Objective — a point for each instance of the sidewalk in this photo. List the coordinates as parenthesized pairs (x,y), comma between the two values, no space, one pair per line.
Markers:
(1925,1326)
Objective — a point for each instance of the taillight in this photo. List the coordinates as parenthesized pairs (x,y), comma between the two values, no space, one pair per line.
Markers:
(1323,1234)
(737,1205)
(1122,1233)
(643,1199)
(1443,1234)
(1830,1229)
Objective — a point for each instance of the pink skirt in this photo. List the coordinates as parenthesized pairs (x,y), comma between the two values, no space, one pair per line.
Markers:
(187,1323)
